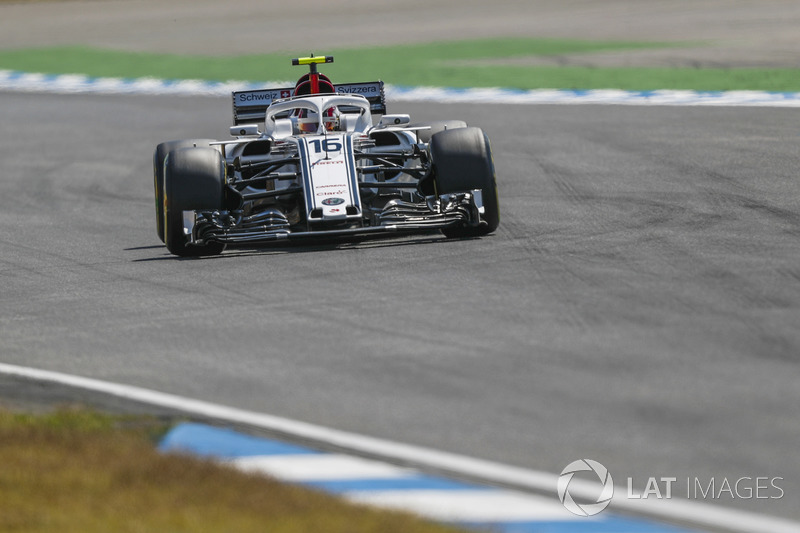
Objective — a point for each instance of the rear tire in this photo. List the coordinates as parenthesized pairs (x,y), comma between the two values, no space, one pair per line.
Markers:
(462,161)
(436,126)
(158,174)
(194,179)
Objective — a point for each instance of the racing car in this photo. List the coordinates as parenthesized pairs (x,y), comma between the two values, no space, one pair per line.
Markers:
(322,160)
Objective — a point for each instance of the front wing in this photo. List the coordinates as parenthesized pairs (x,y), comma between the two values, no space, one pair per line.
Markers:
(438,212)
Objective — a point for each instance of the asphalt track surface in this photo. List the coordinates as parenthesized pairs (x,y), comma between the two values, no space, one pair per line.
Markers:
(638,305)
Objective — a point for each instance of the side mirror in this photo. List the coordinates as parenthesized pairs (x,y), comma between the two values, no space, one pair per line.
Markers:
(244,130)
(394,120)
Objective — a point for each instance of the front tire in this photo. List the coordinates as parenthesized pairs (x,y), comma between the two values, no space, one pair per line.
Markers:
(194,180)
(158,174)
(435,127)
(462,161)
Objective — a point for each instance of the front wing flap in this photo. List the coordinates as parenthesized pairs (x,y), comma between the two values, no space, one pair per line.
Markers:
(436,213)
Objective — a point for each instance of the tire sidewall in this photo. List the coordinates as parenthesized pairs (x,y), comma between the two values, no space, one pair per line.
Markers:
(462,161)
(194,179)
(159,156)
(435,126)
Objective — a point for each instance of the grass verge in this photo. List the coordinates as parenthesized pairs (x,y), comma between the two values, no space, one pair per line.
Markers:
(76,470)
(444,64)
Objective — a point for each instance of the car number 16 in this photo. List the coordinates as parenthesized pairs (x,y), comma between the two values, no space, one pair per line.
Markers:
(327,145)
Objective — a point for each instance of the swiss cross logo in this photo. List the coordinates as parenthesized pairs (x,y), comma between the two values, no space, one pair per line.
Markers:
(286,94)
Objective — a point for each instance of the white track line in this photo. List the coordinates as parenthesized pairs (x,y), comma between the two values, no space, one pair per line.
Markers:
(491,505)
(696,513)
(320,467)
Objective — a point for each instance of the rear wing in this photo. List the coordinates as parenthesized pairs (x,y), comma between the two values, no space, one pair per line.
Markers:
(251,106)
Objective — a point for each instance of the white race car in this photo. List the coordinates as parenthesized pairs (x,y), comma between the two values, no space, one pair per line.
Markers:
(311,161)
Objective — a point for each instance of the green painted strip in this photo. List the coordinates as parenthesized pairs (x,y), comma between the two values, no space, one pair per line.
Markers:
(476,63)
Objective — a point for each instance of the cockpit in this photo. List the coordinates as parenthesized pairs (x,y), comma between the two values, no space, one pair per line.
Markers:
(318,114)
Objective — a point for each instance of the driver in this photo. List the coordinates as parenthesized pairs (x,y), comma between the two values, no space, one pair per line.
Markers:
(308,121)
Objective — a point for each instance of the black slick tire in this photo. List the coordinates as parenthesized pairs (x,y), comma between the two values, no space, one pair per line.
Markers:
(194,179)
(158,174)
(462,161)
(435,127)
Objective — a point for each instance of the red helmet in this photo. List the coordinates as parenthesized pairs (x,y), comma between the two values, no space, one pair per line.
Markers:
(308,121)
(303,85)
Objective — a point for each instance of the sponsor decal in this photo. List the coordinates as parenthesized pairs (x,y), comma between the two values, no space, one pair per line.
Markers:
(261,96)
(332,193)
(373,89)
(332,201)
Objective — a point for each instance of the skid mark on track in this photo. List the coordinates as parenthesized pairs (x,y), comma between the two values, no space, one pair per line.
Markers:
(569,190)
(551,271)
(791,274)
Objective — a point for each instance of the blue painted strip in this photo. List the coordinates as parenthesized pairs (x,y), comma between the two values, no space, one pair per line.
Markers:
(355,197)
(308,186)
(20,81)
(614,524)
(207,441)
(403,483)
